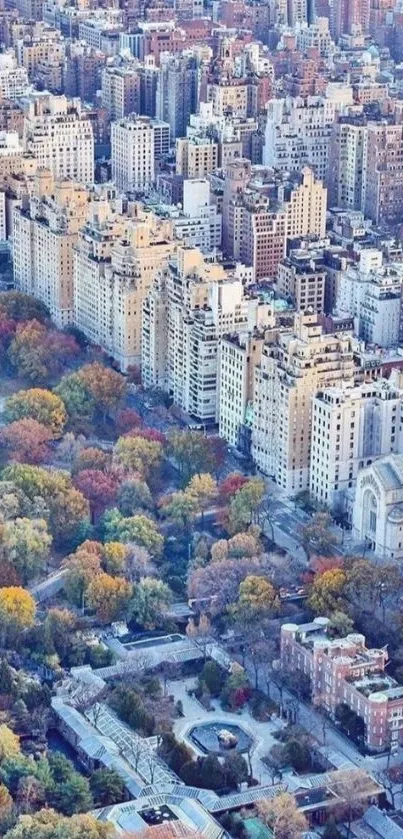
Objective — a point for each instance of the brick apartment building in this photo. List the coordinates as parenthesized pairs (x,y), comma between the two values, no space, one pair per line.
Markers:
(345,671)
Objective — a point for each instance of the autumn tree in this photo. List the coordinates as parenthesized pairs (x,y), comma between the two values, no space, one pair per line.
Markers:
(230,485)
(77,399)
(17,610)
(139,529)
(327,593)
(9,743)
(138,455)
(106,386)
(99,488)
(38,353)
(203,488)
(150,599)
(115,558)
(219,581)
(65,507)
(47,824)
(23,307)
(37,404)
(245,504)
(6,802)
(26,441)
(91,458)
(257,598)
(25,544)
(317,536)
(282,815)
(82,568)
(126,420)
(201,632)
(109,596)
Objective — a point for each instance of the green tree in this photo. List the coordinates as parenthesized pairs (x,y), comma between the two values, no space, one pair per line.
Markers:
(133,496)
(107,787)
(182,508)
(25,545)
(22,307)
(139,529)
(212,676)
(190,451)
(150,599)
(41,405)
(77,399)
(244,504)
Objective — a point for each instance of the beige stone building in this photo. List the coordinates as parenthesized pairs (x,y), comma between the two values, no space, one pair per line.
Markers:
(196,156)
(59,134)
(294,365)
(45,229)
(193,306)
(239,356)
(229,97)
(306,207)
(116,259)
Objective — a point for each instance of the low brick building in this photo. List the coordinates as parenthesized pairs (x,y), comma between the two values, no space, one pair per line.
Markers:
(345,671)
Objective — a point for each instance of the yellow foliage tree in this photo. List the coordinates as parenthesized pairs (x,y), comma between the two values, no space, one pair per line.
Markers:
(136,454)
(9,743)
(17,609)
(110,597)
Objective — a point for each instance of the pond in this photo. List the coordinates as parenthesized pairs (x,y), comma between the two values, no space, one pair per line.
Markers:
(220,738)
(153,642)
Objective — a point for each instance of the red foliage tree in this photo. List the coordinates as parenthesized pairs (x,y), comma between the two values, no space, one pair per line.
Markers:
(26,441)
(8,575)
(217,448)
(99,488)
(127,420)
(151,434)
(231,485)
(320,564)
(7,330)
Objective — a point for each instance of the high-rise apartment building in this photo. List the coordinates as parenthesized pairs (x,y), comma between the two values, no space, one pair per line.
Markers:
(384,173)
(196,156)
(346,15)
(116,259)
(45,229)
(240,353)
(263,234)
(347,162)
(133,157)
(302,278)
(14,81)
(294,365)
(177,92)
(59,134)
(298,130)
(351,427)
(193,307)
(121,90)
(371,294)
(306,206)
